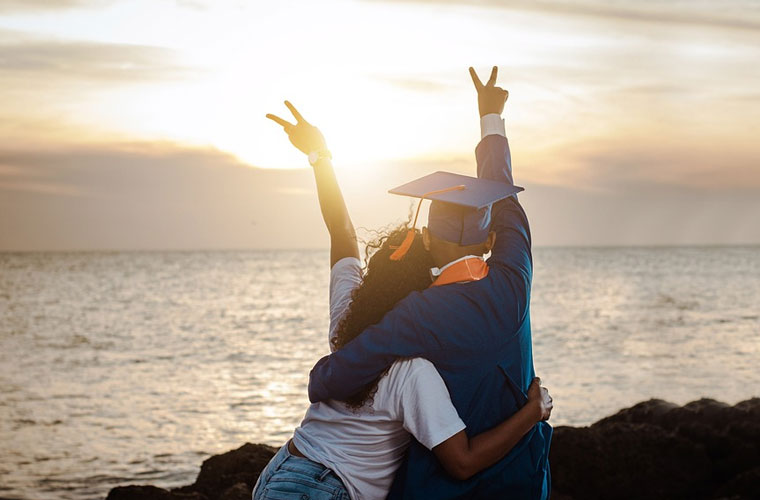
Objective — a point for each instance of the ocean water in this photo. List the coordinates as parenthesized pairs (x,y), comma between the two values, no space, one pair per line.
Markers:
(119,368)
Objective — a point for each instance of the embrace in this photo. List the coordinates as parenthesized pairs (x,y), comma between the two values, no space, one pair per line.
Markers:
(430,390)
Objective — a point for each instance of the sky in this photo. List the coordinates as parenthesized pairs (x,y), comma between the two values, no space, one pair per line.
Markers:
(140,124)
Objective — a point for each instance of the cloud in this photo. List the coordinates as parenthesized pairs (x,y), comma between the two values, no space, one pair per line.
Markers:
(296,191)
(734,14)
(417,84)
(153,195)
(150,195)
(40,5)
(39,61)
(192,4)
(568,216)
(644,164)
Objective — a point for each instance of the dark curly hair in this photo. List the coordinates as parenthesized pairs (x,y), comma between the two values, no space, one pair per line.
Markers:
(385,283)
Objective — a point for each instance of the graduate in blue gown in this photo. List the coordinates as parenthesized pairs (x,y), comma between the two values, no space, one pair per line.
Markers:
(473,324)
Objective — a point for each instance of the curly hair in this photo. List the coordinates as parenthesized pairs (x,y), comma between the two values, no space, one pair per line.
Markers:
(385,283)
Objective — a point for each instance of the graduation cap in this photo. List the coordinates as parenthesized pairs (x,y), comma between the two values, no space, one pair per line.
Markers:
(460,211)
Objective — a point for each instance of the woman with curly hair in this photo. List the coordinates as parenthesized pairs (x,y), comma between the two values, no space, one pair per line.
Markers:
(351,449)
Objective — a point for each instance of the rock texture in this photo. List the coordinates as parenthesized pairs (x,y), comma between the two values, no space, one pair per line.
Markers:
(229,476)
(703,450)
(654,450)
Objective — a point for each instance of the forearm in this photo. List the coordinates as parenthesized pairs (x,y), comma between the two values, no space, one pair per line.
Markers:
(344,372)
(490,446)
(462,457)
(494,158)
(334,213)
(309,140)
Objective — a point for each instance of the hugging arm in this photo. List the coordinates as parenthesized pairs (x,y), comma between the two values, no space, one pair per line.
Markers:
(309,139)
(463,457)
(344,372)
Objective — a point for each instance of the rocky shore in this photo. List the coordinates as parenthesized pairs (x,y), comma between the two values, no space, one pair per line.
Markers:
(654,450)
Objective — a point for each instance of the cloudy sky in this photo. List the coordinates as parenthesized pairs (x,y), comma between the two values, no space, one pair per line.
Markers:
(140,124)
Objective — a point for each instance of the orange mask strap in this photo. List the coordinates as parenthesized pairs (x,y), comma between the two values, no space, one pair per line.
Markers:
(405,245)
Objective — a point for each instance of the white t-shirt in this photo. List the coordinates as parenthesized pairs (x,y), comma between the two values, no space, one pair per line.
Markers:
(365,447)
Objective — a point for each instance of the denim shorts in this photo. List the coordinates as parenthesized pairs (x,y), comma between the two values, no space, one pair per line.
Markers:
(287,477)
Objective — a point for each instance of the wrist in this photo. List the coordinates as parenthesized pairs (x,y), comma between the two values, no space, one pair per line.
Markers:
(492,124)
(534,409)
(319,156)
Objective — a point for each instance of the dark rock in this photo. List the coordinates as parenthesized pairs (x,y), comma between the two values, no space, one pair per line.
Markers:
(625,460)
(712,444)
(751,407)
(229,476)
(242,465)
(646,412)
(745,486)
(705,450)
(150,493)
(239,491)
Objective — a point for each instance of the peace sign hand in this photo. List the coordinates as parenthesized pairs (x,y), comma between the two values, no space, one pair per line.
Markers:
(491,99)
(303,135)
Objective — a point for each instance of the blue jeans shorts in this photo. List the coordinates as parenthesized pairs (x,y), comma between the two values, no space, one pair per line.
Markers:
(287,477)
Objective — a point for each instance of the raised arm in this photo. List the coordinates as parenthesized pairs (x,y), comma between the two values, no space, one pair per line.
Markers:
(509,222)
(308,139)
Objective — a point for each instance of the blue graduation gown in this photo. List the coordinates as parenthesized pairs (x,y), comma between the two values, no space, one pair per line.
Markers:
(478,336)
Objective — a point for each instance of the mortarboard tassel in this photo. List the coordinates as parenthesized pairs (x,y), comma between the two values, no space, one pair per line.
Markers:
(405,245)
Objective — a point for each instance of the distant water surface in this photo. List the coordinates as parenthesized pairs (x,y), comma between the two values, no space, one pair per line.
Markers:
(123,368)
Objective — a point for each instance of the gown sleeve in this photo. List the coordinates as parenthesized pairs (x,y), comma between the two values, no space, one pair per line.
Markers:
(511,254)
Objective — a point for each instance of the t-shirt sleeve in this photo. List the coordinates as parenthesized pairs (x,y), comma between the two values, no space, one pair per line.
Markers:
(345,277)
(425,406)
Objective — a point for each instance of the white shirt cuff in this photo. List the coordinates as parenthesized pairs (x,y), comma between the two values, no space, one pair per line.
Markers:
(492,124)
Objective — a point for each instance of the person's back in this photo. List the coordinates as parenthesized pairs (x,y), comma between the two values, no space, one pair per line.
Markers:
(486,362)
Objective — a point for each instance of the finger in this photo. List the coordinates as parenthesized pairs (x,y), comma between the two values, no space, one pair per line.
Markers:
(475,79)
(285,124)
(492,80)
(537,380)
(295,112)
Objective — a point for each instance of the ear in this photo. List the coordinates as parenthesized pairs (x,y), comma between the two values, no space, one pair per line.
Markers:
(490,242)
(426,238)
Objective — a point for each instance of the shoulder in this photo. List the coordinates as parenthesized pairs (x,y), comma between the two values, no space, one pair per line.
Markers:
(411,365)
(345,275)
(428,301)
(347,266)
(407,374)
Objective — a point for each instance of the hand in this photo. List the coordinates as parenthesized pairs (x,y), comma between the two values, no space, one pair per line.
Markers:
(491,99)
(303,135)
(540,398)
